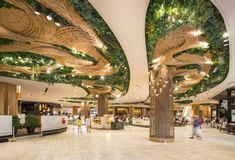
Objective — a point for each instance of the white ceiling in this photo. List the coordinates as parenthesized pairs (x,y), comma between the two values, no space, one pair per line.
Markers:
(227,10)
(32,90)
(126,18)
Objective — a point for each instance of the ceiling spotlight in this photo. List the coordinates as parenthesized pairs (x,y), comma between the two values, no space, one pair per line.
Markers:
(196,33)
(156,60)
(215,70)
(225,45)
(203,73)
(49,17)
(59,65)
(204,44)
(102,77)
(58,24)
(37,13)
(226,40)
(225,35)
(118,96)
(48,71)
(96,95)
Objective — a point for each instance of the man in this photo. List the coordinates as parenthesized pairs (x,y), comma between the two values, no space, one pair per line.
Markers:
(196,127)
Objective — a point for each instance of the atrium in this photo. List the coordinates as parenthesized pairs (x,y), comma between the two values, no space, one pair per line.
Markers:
(120,79)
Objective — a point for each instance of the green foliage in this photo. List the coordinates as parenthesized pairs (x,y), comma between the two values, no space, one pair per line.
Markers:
(46,11)
(16,121)
(178,79)
(25,59)
(32,121)
(114,52)
(164,16)
(4,41)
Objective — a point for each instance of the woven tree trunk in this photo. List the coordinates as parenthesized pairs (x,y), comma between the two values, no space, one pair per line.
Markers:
(161,107)
(102,104)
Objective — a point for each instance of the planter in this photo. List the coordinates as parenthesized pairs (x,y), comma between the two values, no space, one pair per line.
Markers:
(30,130)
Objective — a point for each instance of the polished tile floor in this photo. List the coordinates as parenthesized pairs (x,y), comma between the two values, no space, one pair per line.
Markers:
(129,144)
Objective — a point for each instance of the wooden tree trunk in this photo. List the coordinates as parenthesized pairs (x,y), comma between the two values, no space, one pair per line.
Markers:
(102,104)
(161,107)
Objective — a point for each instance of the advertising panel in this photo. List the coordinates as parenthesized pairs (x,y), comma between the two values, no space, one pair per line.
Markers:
(6,125)
(233,115)
(53,122)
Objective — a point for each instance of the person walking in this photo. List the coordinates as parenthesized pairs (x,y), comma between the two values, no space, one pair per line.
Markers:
(196,128)
(79,124)
(88,124)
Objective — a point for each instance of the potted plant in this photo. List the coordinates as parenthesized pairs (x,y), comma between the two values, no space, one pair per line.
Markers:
(31,122)
(15,123)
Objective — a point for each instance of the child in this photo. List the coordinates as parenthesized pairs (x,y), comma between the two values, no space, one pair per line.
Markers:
(79,124)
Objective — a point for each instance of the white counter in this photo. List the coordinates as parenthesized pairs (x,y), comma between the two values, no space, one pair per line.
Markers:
(141,122)
(6,125)
(49,123)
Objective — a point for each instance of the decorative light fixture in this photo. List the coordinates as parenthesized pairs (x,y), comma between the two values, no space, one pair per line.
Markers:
(90,76)
(102,77)
(96,95)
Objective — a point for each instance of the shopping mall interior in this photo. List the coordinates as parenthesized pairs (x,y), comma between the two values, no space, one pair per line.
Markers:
(117,79)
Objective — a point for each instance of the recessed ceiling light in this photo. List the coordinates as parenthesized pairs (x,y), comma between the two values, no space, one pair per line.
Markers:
(225,35)
(48,71)
(196,33)
(225,45)
(226,40)
(37,13)
(49,17)
(58,24)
